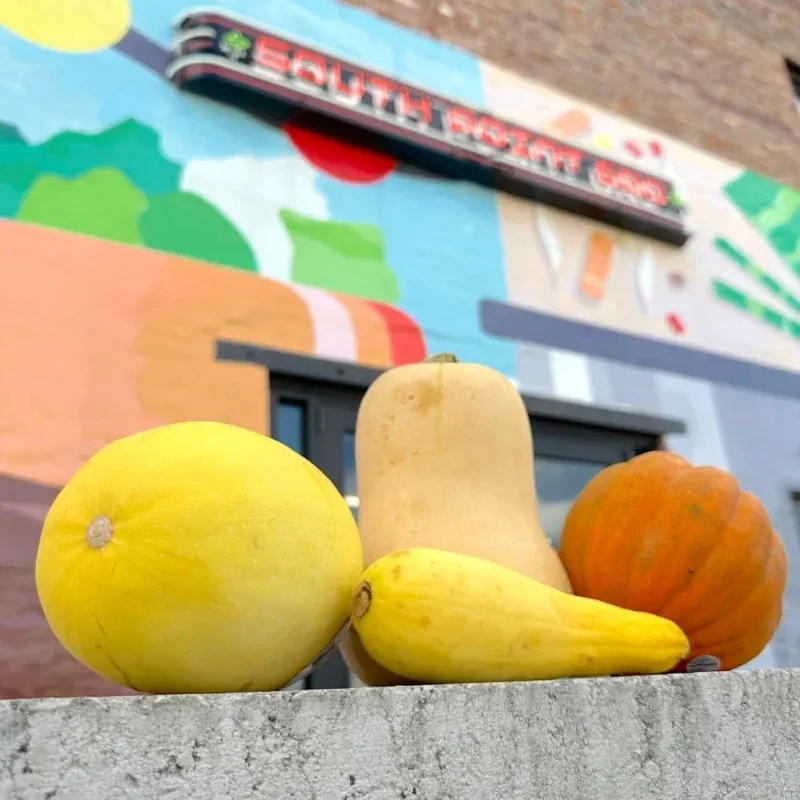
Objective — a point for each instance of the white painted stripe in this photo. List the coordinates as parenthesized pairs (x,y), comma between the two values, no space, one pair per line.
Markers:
(571,376)
(334,334)
(692,401)
(551,245)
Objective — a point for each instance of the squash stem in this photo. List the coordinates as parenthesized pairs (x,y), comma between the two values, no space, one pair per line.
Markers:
(362,599)
(441,358)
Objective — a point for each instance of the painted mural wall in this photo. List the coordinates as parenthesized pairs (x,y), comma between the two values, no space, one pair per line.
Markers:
(140,225)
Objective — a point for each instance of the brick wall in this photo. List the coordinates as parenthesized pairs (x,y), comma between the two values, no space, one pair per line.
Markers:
(710,72)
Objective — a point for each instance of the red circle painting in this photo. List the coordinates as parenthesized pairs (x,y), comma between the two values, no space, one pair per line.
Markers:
(335,156)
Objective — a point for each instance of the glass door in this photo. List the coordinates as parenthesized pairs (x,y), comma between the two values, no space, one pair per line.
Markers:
(319,422)
(335,434)
(338,459)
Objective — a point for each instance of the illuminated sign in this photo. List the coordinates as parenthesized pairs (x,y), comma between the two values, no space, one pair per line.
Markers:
(215,45)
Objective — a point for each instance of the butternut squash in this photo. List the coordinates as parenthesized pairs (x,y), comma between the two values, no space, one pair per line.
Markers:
(444,459)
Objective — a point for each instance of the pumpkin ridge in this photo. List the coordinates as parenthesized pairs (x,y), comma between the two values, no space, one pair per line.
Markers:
(681,471)
(746,646)
(747,599)
(581,572)
(620,589)
(722,542)
(698,571)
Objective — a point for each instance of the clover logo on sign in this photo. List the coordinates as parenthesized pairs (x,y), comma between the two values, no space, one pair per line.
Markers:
(235,44)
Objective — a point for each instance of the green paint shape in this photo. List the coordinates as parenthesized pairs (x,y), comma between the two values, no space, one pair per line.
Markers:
(752,193)
(773,210)
(754,308)
(102,203)
(784,210)
(185,224)
(343,257)
(784,239)
(758,273)
(724,246)
(130,147)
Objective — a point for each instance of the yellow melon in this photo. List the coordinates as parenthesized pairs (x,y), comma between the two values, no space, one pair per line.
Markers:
(197,557)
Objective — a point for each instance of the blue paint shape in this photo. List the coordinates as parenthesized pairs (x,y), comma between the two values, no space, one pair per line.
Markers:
(443,242)
(90,93)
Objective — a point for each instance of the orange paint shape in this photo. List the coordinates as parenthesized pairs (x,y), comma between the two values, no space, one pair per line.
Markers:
(570,124)
(100,339)
(597,266)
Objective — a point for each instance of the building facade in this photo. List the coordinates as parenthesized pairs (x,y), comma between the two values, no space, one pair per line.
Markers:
(712,73)
(245,212)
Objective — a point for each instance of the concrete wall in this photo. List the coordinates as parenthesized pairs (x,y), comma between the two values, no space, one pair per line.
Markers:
(711,72)
(728,736)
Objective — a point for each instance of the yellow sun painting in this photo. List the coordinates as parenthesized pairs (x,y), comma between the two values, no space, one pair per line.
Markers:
(69,26)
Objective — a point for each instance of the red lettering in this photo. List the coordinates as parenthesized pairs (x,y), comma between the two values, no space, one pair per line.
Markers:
(571,160)
(652,192)
(353,89)
(604,174)
(543,150)
(272,54)
(310,67)
(519,142)
(420,107)
(381,90)
(627,182)
(492,132)
(460,122)
(556,157)
(630,182)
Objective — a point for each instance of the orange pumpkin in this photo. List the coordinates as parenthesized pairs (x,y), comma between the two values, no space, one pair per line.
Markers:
(657,534)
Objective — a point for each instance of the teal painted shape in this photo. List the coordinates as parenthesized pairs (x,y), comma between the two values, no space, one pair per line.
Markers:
(134,149)
(752,193)
(757,273)
(784,210)
(9,133)
(773,210)
(131,148)
(183,223)
(784,238)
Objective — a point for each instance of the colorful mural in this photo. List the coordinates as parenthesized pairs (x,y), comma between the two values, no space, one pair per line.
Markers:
(697,300)
(141,225)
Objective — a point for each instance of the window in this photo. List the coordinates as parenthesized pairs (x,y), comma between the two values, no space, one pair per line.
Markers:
(795,500)
(568,455)
(794,77)
(317,419)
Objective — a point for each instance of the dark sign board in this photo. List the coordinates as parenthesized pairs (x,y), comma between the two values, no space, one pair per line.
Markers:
(213,44)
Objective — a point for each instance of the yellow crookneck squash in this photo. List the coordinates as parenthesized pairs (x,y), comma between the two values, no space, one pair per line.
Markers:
(444,459)
(657,534)
(443,617)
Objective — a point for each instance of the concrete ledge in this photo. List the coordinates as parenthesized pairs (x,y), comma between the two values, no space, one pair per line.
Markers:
(733,736)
